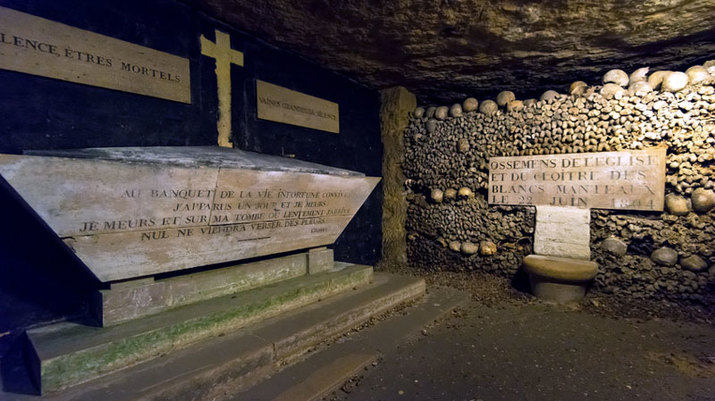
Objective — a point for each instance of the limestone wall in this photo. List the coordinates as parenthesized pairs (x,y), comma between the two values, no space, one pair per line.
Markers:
(668,254)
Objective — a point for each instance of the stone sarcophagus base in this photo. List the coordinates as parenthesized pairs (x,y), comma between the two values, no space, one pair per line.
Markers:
(132,299)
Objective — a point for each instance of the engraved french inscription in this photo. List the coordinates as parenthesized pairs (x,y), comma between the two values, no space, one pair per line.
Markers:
(283,105)
(127,220)
(38,46)
(633,180)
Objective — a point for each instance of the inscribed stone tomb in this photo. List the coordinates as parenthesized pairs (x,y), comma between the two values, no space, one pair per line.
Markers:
(131,212)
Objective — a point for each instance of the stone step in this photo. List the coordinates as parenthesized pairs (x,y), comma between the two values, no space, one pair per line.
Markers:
(327,370)
(218,367)
(67,354)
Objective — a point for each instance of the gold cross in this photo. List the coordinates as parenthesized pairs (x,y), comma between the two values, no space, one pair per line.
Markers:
(224,55)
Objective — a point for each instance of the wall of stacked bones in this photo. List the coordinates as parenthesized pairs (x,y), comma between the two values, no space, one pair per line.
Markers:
(656,255)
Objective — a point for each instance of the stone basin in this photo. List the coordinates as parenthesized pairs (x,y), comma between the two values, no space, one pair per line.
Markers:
(558,279)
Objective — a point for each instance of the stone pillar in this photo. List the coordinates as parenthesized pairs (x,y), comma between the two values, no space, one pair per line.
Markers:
(397,103)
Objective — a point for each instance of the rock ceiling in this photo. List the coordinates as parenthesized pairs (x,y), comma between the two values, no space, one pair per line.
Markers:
(446,50)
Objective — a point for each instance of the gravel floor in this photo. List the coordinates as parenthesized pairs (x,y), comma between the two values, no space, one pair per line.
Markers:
(506,345)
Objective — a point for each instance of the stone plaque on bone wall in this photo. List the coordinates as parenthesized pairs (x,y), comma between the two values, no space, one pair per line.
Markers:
(131,212)
(38,46)
(633,180)
(283,105)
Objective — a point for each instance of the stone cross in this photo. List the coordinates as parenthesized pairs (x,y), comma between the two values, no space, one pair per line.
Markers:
(225,56)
